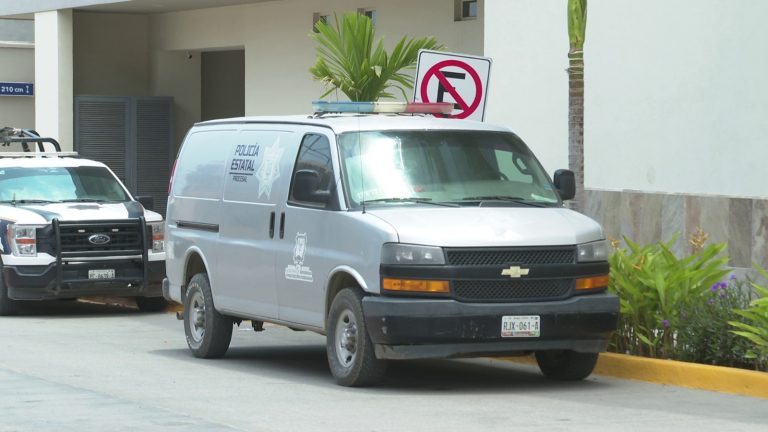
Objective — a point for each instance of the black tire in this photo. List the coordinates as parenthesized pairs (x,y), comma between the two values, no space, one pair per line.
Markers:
(151,304)
(565,365)
(208,332)
(7,306)
(352,360)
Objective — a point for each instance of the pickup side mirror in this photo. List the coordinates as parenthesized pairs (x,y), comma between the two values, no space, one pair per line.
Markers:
(147,202)
(306,187)
(565,183)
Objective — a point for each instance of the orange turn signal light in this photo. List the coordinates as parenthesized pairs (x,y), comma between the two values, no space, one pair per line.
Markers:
(416,285)
(592,282)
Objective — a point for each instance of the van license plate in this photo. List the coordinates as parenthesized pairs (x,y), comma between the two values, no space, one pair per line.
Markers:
(101,274)
(520,326)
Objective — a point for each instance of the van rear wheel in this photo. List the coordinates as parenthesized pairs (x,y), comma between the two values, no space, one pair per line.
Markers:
(566,365)
(350,351)
(208,332)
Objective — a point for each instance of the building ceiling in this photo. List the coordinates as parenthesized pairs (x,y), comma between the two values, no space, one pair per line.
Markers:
(162,6)
(26,9)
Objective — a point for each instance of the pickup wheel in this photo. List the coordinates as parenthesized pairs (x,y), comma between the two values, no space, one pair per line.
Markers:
(208,332)
(151,304)
(566,365)
(350,351)
(7,306)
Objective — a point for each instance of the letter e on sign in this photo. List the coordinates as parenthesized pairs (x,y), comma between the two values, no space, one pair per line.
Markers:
(456,78)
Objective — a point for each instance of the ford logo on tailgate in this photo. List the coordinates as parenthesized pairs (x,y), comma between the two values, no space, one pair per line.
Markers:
(99,239)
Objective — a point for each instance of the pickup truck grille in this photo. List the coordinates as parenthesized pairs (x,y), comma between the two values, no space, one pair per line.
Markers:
(503,256)
(125,238)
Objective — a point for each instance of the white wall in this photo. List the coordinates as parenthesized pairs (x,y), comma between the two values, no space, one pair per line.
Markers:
(278,50)
(53,76)
(17,111)
(677,96)
(528,41)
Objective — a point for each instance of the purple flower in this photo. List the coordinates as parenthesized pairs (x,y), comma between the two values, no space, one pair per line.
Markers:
(665,323)
(723,286)
(711,301)
(722,294)
(715,287)
(733,276)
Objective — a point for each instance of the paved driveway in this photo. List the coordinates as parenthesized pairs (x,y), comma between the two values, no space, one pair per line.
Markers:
(69,366)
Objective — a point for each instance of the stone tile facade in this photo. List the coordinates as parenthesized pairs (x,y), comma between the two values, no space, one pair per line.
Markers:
(645,217)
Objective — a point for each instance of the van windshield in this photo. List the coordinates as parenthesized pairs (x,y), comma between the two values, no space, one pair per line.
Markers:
(60,184)
(442,167)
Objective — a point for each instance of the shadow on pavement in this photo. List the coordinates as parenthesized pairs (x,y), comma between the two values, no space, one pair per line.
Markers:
(308,365)
(71,309)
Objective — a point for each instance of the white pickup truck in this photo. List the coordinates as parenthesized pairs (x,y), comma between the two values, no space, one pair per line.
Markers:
(69,228)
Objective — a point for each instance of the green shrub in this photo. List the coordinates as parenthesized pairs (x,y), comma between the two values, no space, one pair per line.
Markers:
(654,286)
(754,326)
(704,334)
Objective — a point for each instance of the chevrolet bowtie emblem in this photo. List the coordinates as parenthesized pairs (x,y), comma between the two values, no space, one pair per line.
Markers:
(515,272)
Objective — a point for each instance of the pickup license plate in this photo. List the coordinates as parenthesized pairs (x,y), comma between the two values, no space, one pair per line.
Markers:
(101,274)
(520,326)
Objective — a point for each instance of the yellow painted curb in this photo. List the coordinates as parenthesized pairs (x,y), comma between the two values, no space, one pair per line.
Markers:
(683,374)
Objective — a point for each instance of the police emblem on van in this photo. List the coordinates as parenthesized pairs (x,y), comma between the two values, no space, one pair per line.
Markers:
(298,271)
(99,239)
(515,272)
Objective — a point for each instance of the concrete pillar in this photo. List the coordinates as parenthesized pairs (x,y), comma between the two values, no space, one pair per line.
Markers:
(53,76)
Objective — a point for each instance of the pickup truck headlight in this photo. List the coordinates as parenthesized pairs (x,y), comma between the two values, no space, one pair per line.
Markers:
(158,236)
(595,251)
(23,239)
(407,254)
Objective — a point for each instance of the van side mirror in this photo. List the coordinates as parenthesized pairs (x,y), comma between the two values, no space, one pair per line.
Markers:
(565,183)
(147,202)
(306,187)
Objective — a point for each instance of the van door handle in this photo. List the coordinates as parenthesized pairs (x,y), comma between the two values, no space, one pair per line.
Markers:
(272,225)
(282,224)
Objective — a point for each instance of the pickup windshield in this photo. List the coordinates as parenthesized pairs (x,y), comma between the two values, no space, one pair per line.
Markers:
(447,166)
(56,184)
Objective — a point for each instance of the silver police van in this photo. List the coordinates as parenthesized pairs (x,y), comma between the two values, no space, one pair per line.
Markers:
(397,235)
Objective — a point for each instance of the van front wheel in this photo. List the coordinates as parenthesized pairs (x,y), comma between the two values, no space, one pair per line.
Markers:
(208,332)
(566,365)
(350,351)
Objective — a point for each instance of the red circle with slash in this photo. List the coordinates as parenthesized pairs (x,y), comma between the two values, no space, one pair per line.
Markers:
(435,71)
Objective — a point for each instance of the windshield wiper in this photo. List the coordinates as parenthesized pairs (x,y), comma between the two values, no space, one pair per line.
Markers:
(408,199)
(84,200)
(516,200)
(29,201)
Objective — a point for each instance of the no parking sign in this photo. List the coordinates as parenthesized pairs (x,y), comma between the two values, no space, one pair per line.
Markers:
(457,78)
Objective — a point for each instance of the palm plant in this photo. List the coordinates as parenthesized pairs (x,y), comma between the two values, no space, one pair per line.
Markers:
(348,61)
(577,25)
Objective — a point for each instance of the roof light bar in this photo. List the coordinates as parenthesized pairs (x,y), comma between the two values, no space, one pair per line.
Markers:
(382,107)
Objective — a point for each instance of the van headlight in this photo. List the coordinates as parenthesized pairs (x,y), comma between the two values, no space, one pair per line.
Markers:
(158,236)
(23,239)
(407,254)
(595,251)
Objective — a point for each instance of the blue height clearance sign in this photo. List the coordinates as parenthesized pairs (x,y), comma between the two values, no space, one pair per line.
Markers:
(16,89)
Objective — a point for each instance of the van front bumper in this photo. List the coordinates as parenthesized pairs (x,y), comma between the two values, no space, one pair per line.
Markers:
(48,283)
(408,328)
